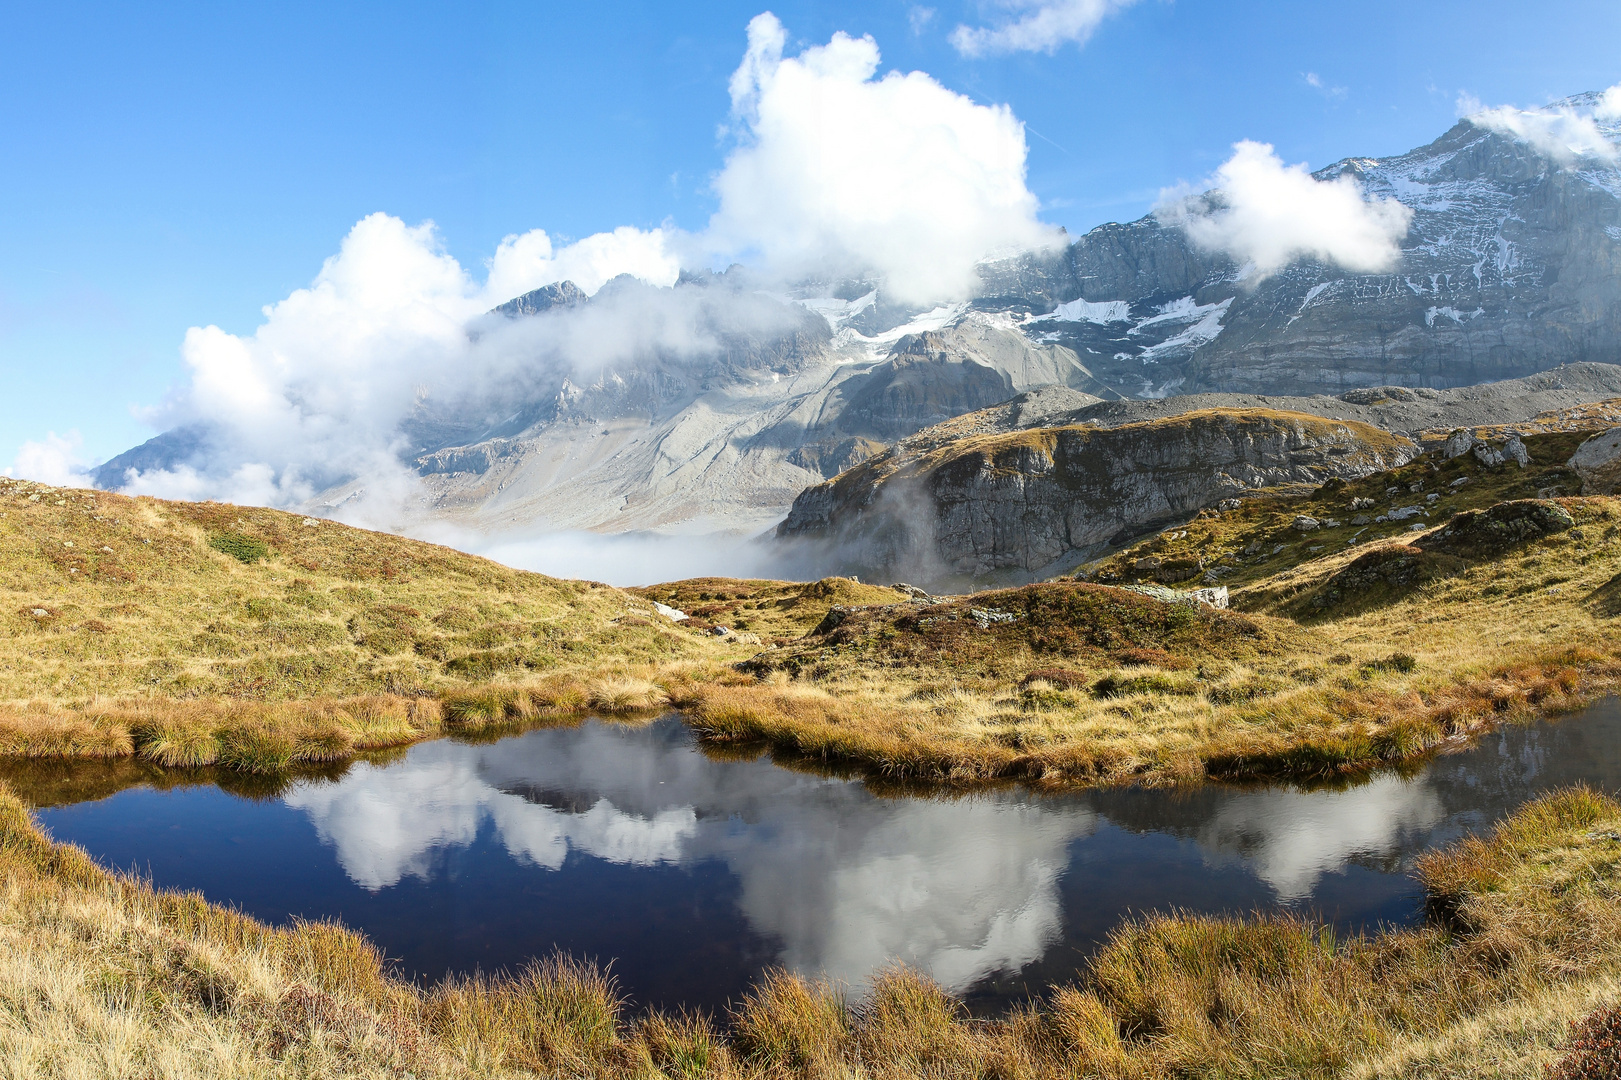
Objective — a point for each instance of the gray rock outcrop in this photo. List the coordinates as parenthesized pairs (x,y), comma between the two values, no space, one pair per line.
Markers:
(1598,462)
(1029,502)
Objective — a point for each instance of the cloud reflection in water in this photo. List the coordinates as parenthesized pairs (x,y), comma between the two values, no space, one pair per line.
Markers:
(962,888)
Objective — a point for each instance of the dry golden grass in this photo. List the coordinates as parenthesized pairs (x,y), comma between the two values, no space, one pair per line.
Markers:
(777,611)
(100,976)
(340,640)
(105,597)
(194,634)
(1102,693)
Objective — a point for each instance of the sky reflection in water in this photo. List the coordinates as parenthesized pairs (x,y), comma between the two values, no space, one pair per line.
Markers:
(695,873)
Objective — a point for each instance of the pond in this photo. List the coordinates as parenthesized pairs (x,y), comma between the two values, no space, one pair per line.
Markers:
(693,872)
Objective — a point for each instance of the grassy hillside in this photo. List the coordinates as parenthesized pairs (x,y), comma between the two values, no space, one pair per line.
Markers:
(1357,643)
(197,632)
(100,976)
(778,612)
(192,634)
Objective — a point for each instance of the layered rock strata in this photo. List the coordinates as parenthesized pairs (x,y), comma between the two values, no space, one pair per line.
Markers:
(1028,502)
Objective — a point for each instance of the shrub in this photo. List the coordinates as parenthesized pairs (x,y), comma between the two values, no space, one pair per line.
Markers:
(1059,678)
(1249,689)
(1118,685)
(789,1024)
(1594,1049)
(241,548)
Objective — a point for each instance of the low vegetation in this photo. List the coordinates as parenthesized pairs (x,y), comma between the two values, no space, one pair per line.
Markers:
(100,975)
(1353,642)
(199,634)
(183,643)
(210,635)
(778,612)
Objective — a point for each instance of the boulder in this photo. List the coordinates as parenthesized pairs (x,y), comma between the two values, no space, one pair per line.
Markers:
(1459,444)
(1514,450)
(1216,597)
(1487,456)
(1307,523)
(1476,534)
(1383,575)
(1598,462)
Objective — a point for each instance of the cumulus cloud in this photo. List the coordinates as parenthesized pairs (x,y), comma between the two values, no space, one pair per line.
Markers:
(1567,134)
(1037,26)
(842,172)
(52,460)
(528,261)
(1266,214)
(843,880)
(393,333)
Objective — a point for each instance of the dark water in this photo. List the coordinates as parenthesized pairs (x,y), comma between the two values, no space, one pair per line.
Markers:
(693,873)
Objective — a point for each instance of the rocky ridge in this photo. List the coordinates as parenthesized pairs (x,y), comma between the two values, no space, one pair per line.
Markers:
(1034,502)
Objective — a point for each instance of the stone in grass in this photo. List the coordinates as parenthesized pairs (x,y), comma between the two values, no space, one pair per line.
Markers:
(1598,462)
(1380,576)
(1459,444)
(1476,534)
(1307,523)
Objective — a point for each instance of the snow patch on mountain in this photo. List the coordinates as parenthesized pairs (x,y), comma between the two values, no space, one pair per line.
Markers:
(1103,313)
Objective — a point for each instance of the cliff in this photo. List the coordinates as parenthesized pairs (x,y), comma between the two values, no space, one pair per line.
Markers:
(1029,502)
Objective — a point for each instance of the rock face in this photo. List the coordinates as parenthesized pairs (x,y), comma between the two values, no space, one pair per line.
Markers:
(1030,501)
(1598,462)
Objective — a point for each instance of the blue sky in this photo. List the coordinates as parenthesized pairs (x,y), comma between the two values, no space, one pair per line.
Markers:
(170,166)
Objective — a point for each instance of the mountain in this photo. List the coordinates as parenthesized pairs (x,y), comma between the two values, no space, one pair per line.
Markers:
(1512,266)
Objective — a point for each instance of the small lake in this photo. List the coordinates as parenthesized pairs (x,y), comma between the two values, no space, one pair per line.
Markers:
(693,872)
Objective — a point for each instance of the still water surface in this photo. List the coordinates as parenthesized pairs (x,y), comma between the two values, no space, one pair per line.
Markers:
(693,873)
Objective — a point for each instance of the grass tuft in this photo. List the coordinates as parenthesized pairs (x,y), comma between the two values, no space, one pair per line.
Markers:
(245,549)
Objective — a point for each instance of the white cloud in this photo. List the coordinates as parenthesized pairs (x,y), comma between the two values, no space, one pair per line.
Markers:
(838,172)
(1315,81)
(1565,134)
(52,460)
(844,881)
(528,261)
(1039,26)
(919,17)
(1609,104)
(318,394)
(841,172)
(1266,214)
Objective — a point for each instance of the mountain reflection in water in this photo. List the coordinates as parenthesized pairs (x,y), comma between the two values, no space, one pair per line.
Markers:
(695,872)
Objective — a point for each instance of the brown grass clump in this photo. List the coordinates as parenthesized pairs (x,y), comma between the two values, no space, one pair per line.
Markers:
(623,694)
(791,1026)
